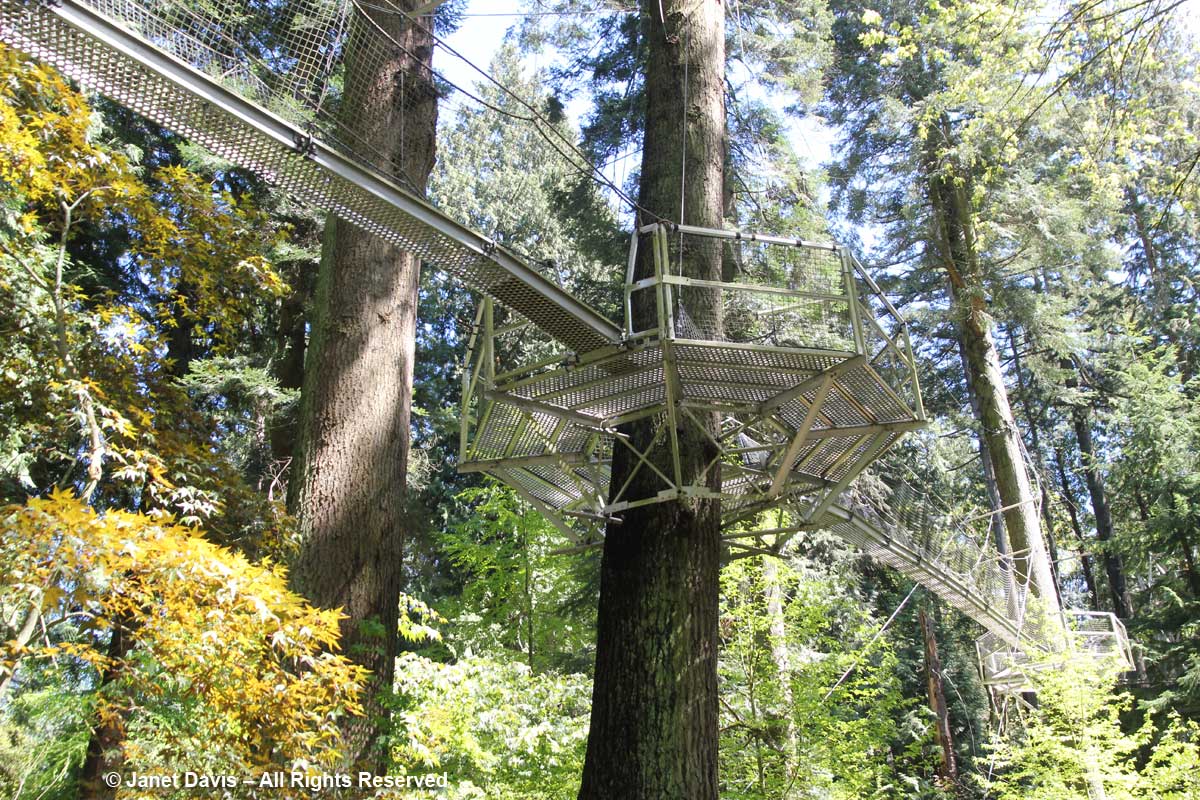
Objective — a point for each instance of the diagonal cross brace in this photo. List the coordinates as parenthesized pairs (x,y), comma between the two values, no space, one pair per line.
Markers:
(797,442)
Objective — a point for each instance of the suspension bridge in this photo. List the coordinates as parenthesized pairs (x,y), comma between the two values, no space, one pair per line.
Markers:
(796,350)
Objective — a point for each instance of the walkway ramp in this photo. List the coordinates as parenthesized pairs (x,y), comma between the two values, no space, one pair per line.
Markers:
(951,562)
(180,64)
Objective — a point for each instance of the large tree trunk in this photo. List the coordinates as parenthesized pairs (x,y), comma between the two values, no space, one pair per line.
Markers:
(780,654)
(955,244)
(1033,424)
(654,711)
(105,750)
(999,533)
(291,343)
(348,486)
(1114,564)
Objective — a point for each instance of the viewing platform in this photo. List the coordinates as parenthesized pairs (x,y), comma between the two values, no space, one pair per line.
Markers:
(803,359)
(794,351)
(1009,670)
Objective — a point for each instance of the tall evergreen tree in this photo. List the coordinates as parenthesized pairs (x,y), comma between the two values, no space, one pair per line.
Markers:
(912,139)
(351,470)
(653,732)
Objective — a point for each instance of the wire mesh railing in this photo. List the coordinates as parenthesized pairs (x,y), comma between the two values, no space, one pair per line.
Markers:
(330,100)
(745,290)
(946,549)
(316,62)
(1012,669)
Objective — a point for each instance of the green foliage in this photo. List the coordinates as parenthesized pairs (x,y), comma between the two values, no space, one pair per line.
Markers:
(1156,477)
(116,279)
(518,600)
(1073,746)
(89,397)
(43,736)
(507,179)
(788,636)
(149,293)
(501,731)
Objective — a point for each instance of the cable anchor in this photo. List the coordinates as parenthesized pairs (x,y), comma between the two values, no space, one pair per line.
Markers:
(305,144)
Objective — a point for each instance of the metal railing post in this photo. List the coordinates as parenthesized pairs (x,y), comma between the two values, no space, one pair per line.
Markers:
(851,288)
(630,266)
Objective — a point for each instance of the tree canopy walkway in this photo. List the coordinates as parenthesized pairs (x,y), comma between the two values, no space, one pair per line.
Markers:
(796,350)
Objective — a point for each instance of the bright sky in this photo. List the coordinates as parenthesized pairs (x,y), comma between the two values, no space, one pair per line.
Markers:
(477,39)
(487,22)
(482,31)
(1189,12)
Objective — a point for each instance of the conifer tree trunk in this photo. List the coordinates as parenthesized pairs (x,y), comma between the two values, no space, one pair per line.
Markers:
(105,753)
(943,735)
(955,242)
(654,719)
(291,343)
(780,655)
(1160,283)
(348,487)
(1033,424)
(1114,564)
(996,521)
(1085,560)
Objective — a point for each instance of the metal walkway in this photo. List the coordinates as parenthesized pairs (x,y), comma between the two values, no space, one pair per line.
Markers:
(172,62)
(799,352)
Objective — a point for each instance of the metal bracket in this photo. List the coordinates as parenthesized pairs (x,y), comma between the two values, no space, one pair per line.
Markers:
(305,144)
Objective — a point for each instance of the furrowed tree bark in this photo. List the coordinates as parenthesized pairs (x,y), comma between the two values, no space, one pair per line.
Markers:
(955,245)
(1032,425)
(348,485)
(654,718)
(1114,564)
(999,534)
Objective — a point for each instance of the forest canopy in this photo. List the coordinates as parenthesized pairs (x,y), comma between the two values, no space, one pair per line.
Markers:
(234,536)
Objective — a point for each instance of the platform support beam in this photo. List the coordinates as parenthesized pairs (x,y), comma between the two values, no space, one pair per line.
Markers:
(869,453)
(797,442)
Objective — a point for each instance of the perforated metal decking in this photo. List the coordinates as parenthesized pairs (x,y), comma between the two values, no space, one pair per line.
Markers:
(799,354)
(811,372)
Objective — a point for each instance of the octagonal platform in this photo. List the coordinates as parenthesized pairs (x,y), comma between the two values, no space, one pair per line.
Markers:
(803,359)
